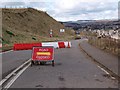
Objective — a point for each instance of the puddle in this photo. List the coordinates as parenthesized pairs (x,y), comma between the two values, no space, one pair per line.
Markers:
(39,86)
(58,63)
(98,80)
(106,75)
(61,78)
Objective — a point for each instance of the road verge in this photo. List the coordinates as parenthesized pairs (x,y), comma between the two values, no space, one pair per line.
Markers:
(111,73)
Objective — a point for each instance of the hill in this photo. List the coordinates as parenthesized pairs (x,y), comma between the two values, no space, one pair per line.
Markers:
(93,24)
(28,25)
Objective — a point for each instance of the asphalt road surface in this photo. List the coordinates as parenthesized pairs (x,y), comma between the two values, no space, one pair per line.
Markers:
(73,69)
(13,59)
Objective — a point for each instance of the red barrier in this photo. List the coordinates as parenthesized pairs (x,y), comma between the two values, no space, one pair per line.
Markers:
(26,46)
(61,44)
(29,46)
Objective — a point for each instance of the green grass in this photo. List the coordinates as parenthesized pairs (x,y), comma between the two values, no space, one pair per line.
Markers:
(6,48)
(28,26)
(10,33)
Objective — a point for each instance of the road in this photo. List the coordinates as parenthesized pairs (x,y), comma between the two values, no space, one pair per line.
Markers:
(13,59)
(73,69)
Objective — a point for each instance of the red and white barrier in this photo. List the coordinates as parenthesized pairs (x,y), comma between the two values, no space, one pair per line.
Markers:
(29,46)
(25,46)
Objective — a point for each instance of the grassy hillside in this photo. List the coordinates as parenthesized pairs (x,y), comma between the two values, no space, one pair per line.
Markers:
(29,25)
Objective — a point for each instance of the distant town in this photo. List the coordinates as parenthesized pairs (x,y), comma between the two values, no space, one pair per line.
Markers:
(103,28)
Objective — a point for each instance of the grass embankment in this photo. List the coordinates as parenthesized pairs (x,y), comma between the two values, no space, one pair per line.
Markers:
(10,38)
(107,44)
(29,25)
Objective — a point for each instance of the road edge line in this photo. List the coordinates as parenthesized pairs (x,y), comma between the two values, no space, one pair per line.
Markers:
(17,76)
(6,52)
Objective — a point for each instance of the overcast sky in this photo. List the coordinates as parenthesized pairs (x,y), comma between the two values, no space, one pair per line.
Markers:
(70,10)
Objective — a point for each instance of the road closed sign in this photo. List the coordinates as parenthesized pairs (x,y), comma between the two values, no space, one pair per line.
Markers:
(43,53)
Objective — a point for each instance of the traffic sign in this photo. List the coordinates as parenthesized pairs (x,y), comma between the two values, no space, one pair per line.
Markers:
(51,32)
(62,30)
(43,54)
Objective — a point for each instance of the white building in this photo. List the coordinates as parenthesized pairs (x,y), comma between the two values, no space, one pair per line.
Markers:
(108,33)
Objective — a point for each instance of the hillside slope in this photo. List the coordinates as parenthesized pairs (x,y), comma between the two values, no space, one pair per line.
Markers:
(28,25)
(93,24)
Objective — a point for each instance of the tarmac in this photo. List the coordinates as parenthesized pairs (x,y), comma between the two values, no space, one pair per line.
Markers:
(108,60)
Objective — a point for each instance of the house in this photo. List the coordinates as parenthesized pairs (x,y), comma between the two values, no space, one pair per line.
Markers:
(108,33)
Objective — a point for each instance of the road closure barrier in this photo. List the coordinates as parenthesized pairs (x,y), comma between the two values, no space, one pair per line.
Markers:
(61,45)
(29,46)
(26,46)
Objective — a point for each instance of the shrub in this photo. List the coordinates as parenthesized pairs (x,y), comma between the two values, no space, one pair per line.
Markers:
(33,38)
(10,33)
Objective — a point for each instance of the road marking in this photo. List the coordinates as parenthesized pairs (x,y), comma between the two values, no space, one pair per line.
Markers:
(13,73)
(6,52)
(8,76)
(103,70)
(15,78)
(113,78)
(106,72)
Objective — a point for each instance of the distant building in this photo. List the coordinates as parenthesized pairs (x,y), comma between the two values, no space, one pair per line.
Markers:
(108,33)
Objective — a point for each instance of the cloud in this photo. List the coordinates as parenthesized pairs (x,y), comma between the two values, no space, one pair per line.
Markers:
(96,9)
(67,10)
(23,3)
(13,3)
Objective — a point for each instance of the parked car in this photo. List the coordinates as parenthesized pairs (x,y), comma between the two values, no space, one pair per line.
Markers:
(77,36)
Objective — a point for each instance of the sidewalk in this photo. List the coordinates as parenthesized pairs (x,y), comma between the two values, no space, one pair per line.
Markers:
(108,60)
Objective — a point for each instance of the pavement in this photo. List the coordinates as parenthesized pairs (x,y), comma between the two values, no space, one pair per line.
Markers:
(108,60)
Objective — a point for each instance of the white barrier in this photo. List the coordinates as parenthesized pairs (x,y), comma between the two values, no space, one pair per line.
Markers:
(54,44)
(57,44)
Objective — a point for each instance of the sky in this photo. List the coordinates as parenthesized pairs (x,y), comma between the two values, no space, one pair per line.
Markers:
(70,10)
